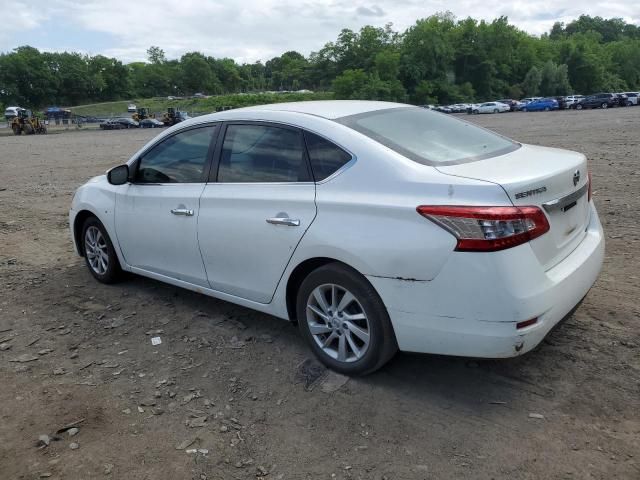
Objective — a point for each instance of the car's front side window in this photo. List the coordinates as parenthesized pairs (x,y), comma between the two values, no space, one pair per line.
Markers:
(180,158)
(262,154)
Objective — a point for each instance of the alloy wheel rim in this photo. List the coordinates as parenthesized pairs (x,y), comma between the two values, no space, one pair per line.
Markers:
(95,247)
(338,323)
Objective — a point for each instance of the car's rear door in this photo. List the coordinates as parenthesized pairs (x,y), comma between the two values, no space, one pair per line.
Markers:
(256,208)
(157,214)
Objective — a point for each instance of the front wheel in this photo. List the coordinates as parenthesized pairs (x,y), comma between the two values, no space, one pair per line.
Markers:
(578,107)
(546,109)
(476,112)
(99,254)
(604,105)
(344,321)
(495,110)
(525,109)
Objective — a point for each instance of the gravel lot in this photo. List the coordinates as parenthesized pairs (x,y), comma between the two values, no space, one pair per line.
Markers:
(236,386)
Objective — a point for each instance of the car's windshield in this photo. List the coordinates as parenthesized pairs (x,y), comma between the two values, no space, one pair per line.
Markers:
(428,137)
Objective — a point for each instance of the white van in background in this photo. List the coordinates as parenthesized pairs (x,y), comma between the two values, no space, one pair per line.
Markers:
(11,112)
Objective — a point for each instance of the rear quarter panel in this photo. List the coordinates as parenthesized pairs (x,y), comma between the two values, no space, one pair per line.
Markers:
(367,215)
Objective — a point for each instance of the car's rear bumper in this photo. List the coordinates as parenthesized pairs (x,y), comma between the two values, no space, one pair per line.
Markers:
(472,307)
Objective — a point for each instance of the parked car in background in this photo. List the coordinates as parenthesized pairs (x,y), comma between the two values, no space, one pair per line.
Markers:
(478,247)
(632,97)
(542,104)
(513,104)
(524,101)
(491,107)
(131,108)
(562,102)
(572,100)
(442,109)
(119,123)
(458,108)
(472,107)
(598,100)
(622,100)
(151,123)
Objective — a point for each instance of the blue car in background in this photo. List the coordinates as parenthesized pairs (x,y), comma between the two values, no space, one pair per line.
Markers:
(542,104)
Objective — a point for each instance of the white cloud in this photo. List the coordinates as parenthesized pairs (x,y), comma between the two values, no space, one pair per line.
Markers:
(252,30)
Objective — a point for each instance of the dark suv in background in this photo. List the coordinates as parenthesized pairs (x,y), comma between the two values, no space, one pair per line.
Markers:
(598,100)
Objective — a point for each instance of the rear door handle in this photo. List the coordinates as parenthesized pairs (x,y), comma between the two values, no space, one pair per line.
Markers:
(182,211)
(290,222)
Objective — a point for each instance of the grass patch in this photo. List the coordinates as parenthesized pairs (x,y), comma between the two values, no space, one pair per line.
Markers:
(196,106)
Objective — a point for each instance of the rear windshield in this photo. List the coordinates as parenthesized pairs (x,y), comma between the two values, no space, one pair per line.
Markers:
(429,137)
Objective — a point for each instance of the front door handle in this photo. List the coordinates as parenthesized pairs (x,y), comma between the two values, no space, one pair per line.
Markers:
(182,211)
(290,222)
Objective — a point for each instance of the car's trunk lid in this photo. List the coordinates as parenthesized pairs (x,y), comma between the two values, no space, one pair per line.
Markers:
(554,180)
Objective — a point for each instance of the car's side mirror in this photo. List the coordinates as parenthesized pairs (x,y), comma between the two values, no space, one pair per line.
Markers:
(118,175)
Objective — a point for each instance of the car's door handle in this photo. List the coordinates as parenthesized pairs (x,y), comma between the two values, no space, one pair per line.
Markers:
(182,211)
(290,222)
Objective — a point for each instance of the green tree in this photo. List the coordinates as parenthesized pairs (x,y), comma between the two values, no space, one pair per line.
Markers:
(156,55)
(531,83)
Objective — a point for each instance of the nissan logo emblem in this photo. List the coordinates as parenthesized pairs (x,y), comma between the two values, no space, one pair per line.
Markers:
(576,177)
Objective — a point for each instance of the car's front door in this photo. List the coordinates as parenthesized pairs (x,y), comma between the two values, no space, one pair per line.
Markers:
(157,214)
(256,209)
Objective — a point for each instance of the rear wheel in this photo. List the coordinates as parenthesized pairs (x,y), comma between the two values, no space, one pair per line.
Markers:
(604,105)
(546,109)
(99,253)
(495,110)
(344,321)
(579,107)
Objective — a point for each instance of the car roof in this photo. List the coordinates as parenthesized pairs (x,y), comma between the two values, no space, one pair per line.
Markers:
(330,109)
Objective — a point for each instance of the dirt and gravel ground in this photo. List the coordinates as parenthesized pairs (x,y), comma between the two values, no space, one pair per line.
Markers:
(235,386)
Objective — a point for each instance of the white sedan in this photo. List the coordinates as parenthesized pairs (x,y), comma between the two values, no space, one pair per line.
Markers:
(491,107)
(376,226)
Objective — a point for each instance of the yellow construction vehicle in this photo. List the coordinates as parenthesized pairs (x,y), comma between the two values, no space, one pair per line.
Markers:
(28,123)
(170,118)
(141,114)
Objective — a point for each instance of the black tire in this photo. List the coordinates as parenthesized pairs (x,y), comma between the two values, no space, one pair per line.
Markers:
(604,105)
(382,341)
(495,110)
(546,109)
(579,107)
(476,112)
(525,109)
(113,271)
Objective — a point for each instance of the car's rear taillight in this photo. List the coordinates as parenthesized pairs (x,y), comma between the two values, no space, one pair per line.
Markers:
(590,188)
(488,229)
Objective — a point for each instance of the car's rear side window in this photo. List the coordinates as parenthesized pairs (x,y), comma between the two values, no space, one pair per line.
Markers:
(428,137)
(326,158)
(262,153)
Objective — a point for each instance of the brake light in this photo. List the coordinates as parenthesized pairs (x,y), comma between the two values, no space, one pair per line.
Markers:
(488,229)
(589,190)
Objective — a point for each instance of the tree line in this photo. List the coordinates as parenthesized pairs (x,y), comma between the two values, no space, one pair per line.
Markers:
(439,59)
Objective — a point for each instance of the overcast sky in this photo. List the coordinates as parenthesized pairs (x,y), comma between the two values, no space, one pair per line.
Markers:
(250,30)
